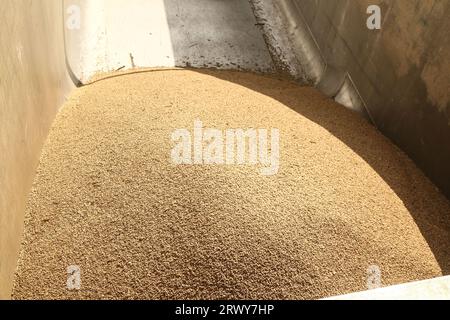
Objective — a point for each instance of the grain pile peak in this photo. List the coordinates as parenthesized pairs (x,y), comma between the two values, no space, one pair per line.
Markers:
(111,204)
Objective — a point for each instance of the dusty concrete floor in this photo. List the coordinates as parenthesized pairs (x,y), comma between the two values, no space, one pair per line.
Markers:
(107,198)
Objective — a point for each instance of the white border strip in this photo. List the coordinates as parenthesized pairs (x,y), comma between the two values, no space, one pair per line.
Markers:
(434,289)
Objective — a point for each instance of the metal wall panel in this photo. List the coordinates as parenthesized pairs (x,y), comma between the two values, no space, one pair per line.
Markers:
(401,72)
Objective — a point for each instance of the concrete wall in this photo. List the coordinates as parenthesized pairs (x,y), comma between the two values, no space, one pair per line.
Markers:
(398,76)
(33,86)
(123,34)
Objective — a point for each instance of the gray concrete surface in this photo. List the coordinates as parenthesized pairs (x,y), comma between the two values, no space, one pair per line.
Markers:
(165,33)
(33,85)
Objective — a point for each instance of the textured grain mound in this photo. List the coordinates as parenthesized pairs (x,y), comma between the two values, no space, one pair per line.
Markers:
(108,199)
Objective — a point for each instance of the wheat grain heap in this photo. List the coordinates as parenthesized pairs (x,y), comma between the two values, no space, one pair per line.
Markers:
(108,198)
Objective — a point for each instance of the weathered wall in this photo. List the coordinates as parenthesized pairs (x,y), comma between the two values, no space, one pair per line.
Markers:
(401,72)
(119,34)
(33,85)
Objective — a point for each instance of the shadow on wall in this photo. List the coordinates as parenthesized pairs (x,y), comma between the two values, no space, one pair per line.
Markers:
(220,34)
(402,71)
(423,201)
(114,35)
